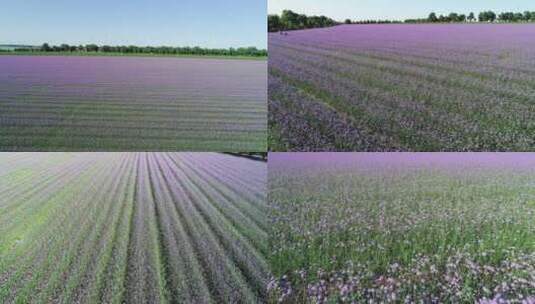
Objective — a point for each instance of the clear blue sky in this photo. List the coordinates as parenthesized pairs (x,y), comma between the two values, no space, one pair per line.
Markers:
(206,23)
(394,9)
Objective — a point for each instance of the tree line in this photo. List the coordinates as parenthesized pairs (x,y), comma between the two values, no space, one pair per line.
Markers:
(163,50)
(290,20)
(486,16)
(349,21)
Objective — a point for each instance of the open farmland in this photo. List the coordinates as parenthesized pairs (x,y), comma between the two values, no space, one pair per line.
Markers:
(71,103)
(402,228)
(132,228)
(401,87)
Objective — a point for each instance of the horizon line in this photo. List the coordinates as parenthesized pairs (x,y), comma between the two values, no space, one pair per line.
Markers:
(476,12)
(136,45)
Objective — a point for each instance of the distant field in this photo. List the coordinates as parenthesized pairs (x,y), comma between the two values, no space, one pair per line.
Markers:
(431,87)
(76,103)
(132,228)
(402,228)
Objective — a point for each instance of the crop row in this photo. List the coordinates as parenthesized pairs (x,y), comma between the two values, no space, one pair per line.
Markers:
(103,104)
(132,227)
(402,87)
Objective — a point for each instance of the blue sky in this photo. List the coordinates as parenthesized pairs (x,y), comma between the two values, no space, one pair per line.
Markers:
(206,23)
(394,9)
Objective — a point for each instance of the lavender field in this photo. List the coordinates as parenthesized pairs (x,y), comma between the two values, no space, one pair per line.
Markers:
(402,228)
(423,87)
(132,228)
(70,103)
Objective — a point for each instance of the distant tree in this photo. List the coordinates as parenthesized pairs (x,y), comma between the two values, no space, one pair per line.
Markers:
(506,16)
(289,20)
(302,21)
(274,23)
(527,16)
(487,16)
(471,17)
(45,47)
(453,17)
(491,15)
(242,51)
(316,21)
(347,21)
(461,18)
(91,48)
(432,17)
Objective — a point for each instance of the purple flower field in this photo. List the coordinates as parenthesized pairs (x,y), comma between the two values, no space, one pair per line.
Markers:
(401,87)
(132,103)
(402,228)
(132,228)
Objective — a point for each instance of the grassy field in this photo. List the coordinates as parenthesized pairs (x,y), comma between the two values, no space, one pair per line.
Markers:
(403,87)
(402,228)
(87,103)
(132,228)
(118,54)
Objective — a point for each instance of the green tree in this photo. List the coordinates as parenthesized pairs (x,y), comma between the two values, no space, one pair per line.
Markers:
(347,21)
(487,16)
(432,17)
(453,17)
(289,20)
(471,17)
(274,23)
(91,48)
(302,21)
(45,47)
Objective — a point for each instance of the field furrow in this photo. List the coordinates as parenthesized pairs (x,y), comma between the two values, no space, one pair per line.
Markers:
(402,87)
(69,102)
(132,227)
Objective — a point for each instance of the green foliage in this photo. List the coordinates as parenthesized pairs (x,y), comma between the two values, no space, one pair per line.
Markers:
(45,47)
(486,16)
(164,50)
(274,23)
(471,17)
(290,20)
(517,17)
